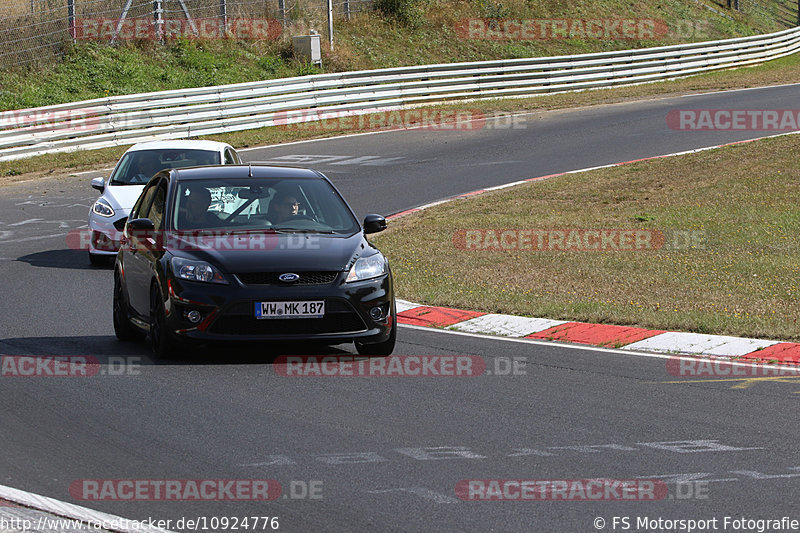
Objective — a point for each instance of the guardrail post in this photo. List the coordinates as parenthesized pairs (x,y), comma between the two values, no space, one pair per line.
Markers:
(223,15)
(347,9)
(71,17)
(282,9)
(158,14)
(330,23)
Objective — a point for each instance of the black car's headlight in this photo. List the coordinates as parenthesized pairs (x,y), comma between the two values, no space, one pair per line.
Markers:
(103,208)
(367,268)
(196,271)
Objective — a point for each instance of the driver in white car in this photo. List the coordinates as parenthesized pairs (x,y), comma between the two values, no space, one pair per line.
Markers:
(144,167)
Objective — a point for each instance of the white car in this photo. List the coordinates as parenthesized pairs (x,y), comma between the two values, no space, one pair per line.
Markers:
(141,162)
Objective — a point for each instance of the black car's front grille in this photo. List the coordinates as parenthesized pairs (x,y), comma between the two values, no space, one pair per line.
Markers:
(240,319)
(271,278)
(242,325)
(120,224)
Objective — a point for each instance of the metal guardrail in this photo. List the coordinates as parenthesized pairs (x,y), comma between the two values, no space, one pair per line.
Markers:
(122,120)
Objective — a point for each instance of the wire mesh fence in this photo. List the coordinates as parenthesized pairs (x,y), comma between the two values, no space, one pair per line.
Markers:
(39,30)
(35,30)
(785,13)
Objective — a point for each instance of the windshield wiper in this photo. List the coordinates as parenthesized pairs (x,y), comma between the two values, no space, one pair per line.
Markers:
(298,230)
(247,231)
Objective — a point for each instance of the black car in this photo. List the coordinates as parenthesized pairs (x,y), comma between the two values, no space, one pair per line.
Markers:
(251,253)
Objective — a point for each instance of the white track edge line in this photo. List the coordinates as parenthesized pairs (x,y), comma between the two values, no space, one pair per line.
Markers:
(534,179)
(741,89)
(69,510)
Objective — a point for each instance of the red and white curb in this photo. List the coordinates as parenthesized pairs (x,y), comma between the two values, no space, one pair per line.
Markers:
(602,335)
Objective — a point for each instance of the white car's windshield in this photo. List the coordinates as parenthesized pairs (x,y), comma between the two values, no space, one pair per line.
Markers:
(136,168)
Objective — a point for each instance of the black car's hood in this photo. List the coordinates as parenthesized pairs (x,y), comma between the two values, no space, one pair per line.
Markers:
(273,252)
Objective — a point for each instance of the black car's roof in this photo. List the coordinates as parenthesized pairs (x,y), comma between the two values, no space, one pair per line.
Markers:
(242,171)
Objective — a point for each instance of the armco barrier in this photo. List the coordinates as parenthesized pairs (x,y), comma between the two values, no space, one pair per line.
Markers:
(121,120)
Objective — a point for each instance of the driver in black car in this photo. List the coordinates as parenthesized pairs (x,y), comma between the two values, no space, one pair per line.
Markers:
(195,214)
(283,207)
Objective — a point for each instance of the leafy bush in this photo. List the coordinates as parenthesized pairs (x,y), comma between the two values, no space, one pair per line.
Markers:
(493,10)
(270,64)
(406,12)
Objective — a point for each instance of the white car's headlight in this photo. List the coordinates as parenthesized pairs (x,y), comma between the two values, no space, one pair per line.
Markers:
(367,268)
(196,271)
(103,208)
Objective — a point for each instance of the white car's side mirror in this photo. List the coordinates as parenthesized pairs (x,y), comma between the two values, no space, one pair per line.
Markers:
(99,184)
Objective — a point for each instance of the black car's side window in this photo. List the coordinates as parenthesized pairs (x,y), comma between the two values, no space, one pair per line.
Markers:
(143,206)
(157,209)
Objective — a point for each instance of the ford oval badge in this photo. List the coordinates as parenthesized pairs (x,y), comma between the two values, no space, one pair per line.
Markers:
(288,277)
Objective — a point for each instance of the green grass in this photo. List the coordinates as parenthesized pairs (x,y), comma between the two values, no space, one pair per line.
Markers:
(425,34)
(741,278)
(93,70)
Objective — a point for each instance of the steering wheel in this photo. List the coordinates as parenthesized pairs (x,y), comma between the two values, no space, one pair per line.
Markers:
(301,217)
(139,178)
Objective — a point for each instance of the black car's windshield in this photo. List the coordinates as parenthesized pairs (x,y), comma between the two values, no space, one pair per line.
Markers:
(246,205)
(136,168)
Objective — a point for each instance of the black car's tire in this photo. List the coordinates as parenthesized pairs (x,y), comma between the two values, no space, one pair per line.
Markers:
(99,260)
(162,341)
(382,348)
(123,328)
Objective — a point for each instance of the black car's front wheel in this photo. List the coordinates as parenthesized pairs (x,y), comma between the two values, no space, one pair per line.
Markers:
(123,328)
(100,260)
(381,348)
(162,341)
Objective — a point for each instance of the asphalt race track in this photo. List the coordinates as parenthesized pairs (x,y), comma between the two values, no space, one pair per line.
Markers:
(386,454)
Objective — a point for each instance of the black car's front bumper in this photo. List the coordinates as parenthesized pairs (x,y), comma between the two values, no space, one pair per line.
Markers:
(228,311)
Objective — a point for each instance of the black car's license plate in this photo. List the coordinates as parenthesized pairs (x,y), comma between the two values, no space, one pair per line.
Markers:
(308,309)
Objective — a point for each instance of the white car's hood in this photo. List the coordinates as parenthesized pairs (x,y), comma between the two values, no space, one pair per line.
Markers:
(122,197)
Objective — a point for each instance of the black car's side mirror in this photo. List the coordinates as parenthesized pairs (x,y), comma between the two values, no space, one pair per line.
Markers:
(141,224)
(374,224)
(99,184)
